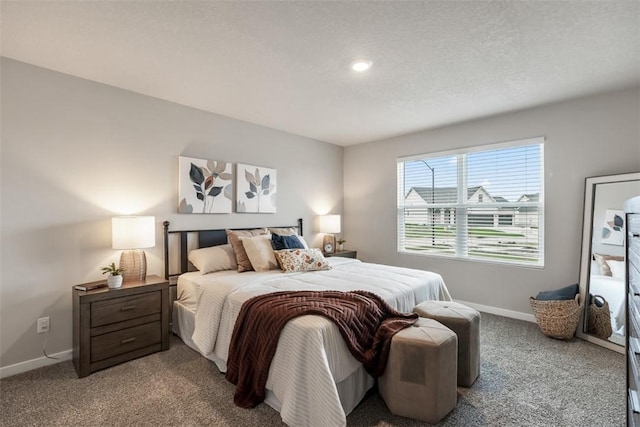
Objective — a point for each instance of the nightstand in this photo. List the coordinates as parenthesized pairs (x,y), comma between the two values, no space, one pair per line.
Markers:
(344,254)
(112,326)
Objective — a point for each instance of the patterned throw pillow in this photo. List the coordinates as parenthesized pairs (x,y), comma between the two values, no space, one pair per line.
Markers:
(291,260)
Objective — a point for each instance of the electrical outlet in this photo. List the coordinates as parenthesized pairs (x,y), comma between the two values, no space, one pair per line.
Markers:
(43,325)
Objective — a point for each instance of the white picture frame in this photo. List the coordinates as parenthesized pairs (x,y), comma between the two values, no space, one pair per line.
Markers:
(204,186)
(613,227)
(256,189)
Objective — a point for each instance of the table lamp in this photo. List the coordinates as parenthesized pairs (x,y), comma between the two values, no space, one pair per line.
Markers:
(329,224)
(133,233)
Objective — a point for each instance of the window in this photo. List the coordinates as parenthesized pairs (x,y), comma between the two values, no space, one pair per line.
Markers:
(485,203)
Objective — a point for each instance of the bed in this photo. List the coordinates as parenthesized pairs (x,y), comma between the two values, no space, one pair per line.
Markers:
(313,379)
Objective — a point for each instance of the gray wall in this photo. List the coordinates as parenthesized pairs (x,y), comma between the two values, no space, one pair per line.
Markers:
(75,153)
(597,135)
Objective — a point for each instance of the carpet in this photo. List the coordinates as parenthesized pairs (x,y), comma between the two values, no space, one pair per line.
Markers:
(526,379)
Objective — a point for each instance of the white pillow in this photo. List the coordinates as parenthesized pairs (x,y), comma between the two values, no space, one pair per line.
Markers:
(304,243)
(260,252)
(215,258)
(617,268)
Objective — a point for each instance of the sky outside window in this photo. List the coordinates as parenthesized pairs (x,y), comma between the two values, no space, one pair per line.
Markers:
(508,172)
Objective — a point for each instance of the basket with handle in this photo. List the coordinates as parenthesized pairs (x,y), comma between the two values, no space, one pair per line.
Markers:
(557,318)
(599,317)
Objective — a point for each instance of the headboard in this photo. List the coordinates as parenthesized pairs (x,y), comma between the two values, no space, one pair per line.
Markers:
(203,239)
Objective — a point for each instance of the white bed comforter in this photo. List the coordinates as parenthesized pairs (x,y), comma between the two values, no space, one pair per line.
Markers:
(311,356)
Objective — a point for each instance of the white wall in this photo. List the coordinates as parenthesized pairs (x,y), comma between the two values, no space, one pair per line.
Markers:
(597,135)
(75,153)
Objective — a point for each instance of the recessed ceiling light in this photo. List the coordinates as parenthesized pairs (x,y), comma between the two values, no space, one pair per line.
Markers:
(361,65)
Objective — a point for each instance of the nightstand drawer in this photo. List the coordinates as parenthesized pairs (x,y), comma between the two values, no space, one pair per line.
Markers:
(124,341)
(125,308)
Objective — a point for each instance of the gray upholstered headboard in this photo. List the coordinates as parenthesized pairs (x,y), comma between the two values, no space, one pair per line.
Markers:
(203,238)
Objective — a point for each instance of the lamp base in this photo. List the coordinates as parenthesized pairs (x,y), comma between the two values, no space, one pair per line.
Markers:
(331,239)
(135,265)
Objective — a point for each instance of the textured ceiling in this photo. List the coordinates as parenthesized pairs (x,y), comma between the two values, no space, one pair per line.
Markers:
(285,64)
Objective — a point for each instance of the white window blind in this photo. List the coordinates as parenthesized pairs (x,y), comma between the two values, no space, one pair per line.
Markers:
(485,204)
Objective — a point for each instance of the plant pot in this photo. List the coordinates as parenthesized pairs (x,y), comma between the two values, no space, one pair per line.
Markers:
(114,281)
(340,246)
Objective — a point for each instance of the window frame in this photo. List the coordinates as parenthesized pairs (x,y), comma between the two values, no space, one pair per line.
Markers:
(462,207)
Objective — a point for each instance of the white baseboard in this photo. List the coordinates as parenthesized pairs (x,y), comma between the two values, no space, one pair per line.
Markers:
(18,368)
(500,311)
(29,365)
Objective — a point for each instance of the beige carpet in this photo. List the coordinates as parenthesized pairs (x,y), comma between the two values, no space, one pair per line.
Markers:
(526,379)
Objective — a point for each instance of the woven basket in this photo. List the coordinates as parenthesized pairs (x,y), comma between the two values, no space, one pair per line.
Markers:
(557,318)
(599,318)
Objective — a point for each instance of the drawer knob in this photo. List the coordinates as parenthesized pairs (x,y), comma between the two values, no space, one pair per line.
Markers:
(128,340)
(128,308)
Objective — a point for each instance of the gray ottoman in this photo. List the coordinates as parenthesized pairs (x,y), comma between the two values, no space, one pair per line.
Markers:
(419,380)
(465,322)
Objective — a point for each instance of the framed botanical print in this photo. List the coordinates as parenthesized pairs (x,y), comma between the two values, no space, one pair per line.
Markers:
(204,186)
(256,188)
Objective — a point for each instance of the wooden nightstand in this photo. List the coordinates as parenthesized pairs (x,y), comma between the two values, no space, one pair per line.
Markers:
(344,254)
(112,326)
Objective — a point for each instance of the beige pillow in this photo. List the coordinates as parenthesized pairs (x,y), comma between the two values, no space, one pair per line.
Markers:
(260,252)
(241,255)
(284,231)
(215,258)
(617,269)
(602,262)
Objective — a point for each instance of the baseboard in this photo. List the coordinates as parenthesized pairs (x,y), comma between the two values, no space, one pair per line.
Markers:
(29,365)
(18,368)
(500,311)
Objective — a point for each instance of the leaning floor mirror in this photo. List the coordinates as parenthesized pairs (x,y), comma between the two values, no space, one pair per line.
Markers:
(602,268)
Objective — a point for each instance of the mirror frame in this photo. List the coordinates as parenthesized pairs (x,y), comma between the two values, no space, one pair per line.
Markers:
(585,258)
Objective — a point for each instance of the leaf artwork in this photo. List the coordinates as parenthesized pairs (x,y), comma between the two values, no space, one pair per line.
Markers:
(201,182)
(617,223)
(613,230)
(256,189)
(227,191)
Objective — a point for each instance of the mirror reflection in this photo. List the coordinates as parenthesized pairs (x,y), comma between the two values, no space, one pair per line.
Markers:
(604,315)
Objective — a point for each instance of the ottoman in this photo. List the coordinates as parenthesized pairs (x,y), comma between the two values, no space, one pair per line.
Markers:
(465,322)
(419,380)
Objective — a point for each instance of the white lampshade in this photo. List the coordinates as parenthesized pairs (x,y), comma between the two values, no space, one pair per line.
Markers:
(133,232)
(329,224)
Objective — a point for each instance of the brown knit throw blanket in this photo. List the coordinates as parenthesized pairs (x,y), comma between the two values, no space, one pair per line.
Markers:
(367,324)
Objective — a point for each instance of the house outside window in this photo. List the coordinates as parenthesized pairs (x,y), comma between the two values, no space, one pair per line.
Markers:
(439,196)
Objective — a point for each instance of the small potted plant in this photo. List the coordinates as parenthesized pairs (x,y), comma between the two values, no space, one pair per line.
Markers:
(340,243)
(115,278)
